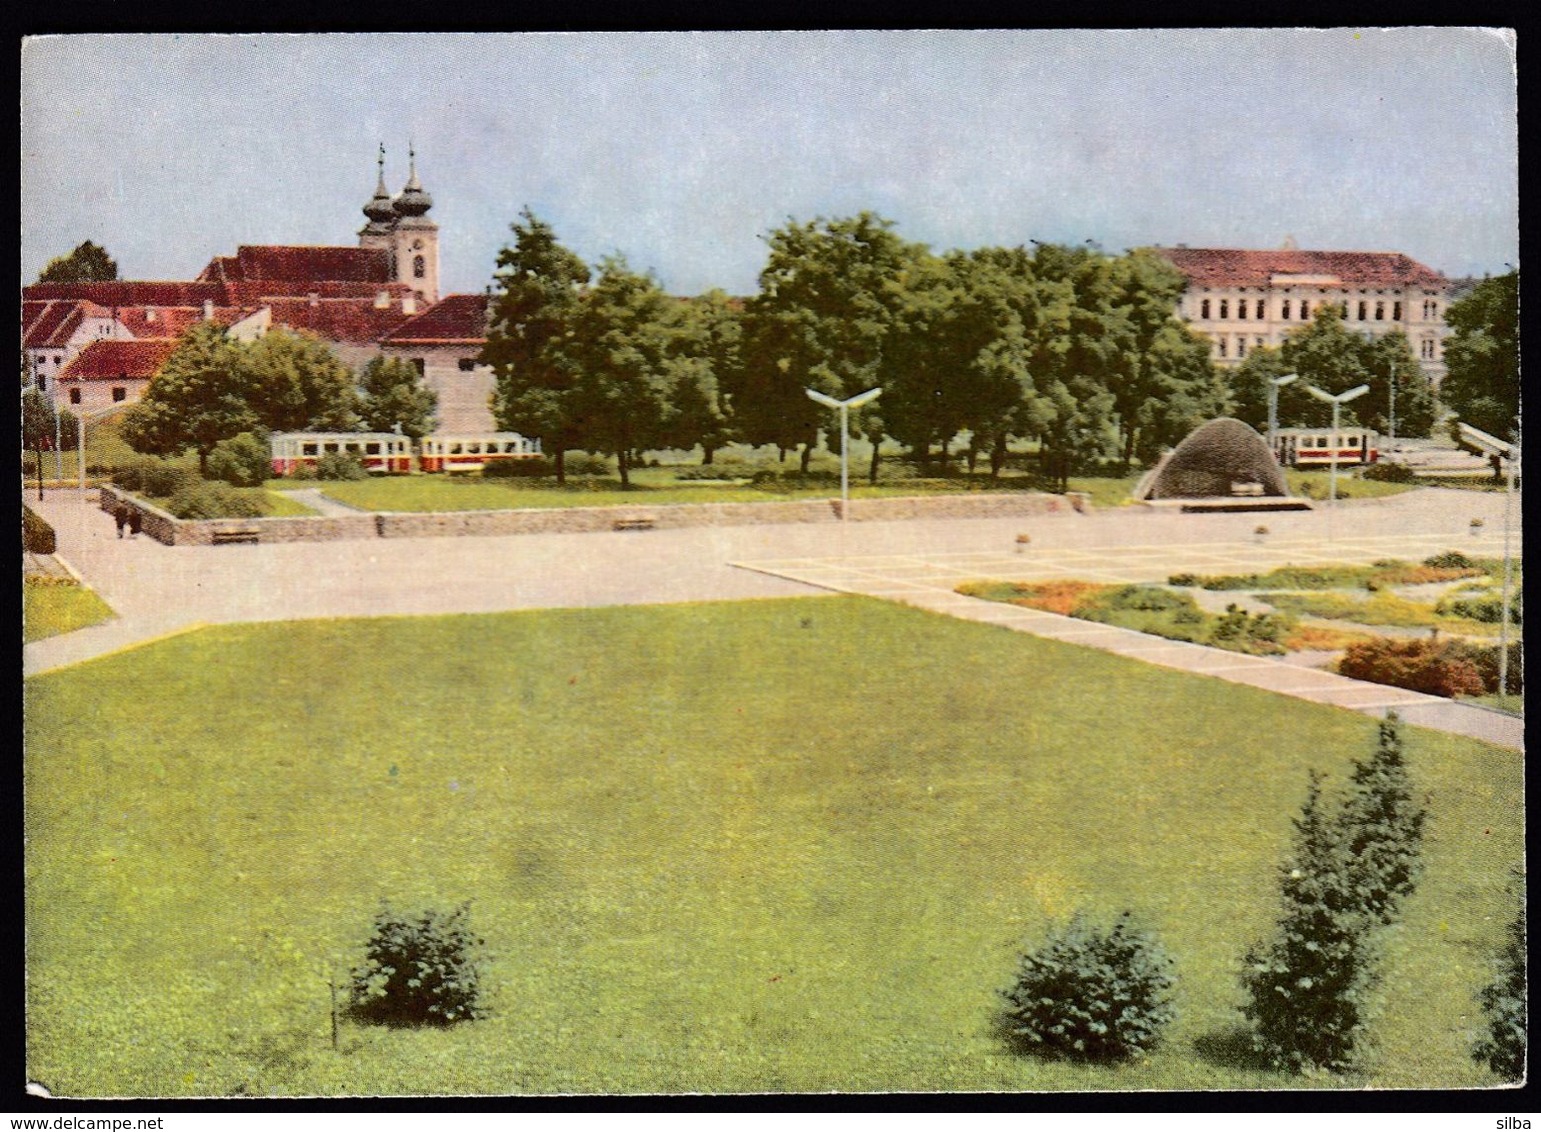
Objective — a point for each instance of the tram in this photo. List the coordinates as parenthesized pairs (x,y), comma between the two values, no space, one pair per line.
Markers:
(380,452)
(1315,447)
(473,452)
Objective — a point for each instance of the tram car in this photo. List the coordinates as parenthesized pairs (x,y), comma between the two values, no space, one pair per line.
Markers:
(1314,447)
(443,452)
(381,452)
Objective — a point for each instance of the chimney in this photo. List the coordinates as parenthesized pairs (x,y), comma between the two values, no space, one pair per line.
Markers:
(315,298)
(208,310)
(382,300)
(409,304)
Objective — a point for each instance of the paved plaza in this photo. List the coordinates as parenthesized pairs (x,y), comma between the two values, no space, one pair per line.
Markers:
(157,590)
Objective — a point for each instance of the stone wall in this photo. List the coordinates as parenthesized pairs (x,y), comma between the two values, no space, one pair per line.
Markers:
(172,531)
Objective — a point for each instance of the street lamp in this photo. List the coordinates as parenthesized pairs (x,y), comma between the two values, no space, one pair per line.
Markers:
(1337,401)
(1274,385)
(845,408)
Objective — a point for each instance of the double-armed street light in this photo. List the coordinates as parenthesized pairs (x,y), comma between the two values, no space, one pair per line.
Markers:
(845,408)
(1274,385)
(1337,401)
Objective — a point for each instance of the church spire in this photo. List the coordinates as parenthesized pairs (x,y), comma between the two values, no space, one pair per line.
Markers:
(380,210)
(413,201)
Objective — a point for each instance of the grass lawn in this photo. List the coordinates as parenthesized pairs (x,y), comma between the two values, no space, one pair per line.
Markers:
(650,486)
(49,609)
(796,849)
(1315,485)
(279,505)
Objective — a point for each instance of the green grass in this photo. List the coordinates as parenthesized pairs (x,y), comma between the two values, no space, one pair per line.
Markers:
(652,486)
(49,609)
(1314,485)
(1378,609)
(280,505)
(796,847)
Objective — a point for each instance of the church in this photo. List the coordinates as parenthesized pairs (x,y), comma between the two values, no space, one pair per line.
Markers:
(91,346)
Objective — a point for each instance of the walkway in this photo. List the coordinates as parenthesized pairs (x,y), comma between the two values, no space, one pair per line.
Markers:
(929,581)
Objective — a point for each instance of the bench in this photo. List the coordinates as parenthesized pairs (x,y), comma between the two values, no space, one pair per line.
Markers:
(635,523)
(244,534)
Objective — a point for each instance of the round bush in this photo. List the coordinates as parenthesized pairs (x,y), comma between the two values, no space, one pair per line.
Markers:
(420,969)
(340,466)
(531,467)
(241,461)
(1389,473)
(1091,994)
(215,500)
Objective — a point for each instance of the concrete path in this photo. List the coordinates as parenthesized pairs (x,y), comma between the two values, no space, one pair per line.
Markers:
(156,590)
(320,502)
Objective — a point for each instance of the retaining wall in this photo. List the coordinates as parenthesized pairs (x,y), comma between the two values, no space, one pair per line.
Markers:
(166,528)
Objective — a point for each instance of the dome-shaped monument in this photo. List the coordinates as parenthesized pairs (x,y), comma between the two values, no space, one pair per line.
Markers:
(1223,458)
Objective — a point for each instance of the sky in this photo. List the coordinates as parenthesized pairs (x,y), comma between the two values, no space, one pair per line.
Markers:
(681,151)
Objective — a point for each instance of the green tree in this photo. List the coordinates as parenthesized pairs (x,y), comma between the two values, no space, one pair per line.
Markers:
(201,395)
(1482,358)
(623,374)
(297,383)
(705,353)
(88,263)
(1388,358)
(1505,1004)
(1308,987)
(540,286)
(828,297)
(1383,825)
(393,395)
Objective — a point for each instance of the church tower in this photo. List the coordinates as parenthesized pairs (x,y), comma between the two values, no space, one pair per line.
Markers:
(416,238)
(378,233)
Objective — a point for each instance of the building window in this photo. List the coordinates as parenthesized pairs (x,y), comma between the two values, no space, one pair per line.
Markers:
(1225,308)
(1426,349)
(1204,309)
(1221,343)
(419,267)
(421,365)
(1260,343)
(74,396)
(1396,312)
(1305,309)
(119,393)
(1286,309)
(1380,312)
(1241,346)
(42,384)
(1364,310)
(467,365)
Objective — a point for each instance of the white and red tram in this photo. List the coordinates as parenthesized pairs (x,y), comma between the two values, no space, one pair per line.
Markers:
(473,452)
(1314,447)
(381,452)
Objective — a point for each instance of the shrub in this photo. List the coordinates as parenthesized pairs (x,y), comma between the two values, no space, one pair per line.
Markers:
(1090,994)
(1148,598)
(1307,988)
(531,467)
(341,466)
(1183,580)
(303,472)
(216,500)
(154,477)
(1449,559)
(419,970)
(1390,473)
(1504,1004)
(1437,668)
(37,536)
(241,461)
(1486,605)
(707,472)
(587,464)
(1485,660)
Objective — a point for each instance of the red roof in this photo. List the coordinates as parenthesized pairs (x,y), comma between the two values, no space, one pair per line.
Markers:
(300,263)
(341,320)
(49,324)
(1237,267)
(129,293)
(258,291)
(109,359)
(453,319)
(171,322)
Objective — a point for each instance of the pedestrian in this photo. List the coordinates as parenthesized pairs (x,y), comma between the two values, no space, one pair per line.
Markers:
(134,522)
(120,516)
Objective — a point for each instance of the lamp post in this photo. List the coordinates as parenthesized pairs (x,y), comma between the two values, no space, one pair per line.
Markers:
(1274,385)
(845,408)
(1337,401)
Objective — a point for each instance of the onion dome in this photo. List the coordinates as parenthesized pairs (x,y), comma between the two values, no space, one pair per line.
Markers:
(380,210)
(413,201)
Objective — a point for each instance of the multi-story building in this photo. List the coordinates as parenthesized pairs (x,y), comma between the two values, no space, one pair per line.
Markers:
(1243,299)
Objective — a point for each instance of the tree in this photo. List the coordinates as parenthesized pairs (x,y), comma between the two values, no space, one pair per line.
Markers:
(393,395)
(1307,988)
(88,263)
(540,292)
(1482,359)
(705,353)
(1504,1005)
(201,395)
(1384,825)
(620,364)
(828,297)
(296,383)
